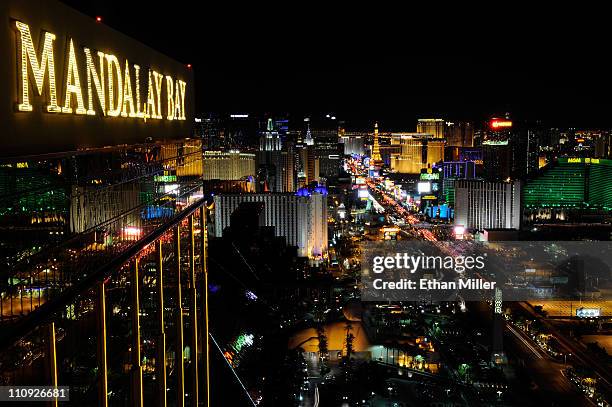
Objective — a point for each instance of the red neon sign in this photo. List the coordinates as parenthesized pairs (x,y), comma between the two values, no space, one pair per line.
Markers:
(498,124)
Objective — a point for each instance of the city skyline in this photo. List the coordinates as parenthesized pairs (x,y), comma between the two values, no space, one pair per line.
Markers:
(319,60)
(202,208)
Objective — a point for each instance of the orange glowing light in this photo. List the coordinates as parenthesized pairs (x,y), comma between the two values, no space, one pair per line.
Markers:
(498,124)
(99,19)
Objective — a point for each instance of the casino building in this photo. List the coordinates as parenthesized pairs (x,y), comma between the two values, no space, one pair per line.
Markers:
(487,205)
(103,244)
(569,188)
(300,218)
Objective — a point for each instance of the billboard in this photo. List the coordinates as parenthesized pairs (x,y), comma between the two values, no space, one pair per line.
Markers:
(424,187)
(587,312)
(68,82)
(363,193)
(500,124)
(430,176)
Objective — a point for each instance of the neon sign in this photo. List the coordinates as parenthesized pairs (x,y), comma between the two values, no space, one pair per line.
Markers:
(112,84)
(499,124)
(430,176)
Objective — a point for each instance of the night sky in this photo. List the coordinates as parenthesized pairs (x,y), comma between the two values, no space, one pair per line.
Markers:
(392,65)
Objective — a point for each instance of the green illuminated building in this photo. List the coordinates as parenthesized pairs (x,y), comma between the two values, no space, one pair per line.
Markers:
(599,185)
(571,183)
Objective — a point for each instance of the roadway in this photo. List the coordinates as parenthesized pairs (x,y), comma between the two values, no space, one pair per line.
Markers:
(548,380)
(573,347)
(548,374)
(542,378)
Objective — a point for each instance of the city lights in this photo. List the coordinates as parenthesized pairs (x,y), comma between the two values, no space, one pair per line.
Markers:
(132,233)
(459,230)
(189,224)
(424,187)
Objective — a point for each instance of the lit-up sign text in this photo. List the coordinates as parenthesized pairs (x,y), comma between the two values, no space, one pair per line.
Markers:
(499,124)
(430,176)
(110,87)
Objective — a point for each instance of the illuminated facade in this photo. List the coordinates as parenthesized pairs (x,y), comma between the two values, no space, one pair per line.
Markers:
(434,127)
(269,139)
(308,165)
(308,140)
(301,217)
(453,171)
(417,152)
(571,183)
(487,205)
(376,146)
(353,144)
(72,83)
(327,151)
(285,171)
(230,165)
(104,277)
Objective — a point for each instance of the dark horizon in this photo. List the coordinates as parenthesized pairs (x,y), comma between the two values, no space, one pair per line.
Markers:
(261,61)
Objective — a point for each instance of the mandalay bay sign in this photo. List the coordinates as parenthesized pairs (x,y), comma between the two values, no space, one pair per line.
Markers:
(109,82)
(69,83)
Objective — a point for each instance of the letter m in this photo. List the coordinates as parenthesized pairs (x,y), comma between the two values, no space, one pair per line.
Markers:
(27,56)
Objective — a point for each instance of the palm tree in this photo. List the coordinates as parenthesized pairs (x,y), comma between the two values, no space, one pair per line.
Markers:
(349,340)
(322,341)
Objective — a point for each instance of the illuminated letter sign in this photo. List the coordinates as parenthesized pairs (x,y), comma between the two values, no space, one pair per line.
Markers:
(170,94)
(116,87)
(73,84)
(47,63)
(113,65)
(430,176)
(158,90)
(128,99)
(139,114)
(498,124)
(181,86)
(98,82)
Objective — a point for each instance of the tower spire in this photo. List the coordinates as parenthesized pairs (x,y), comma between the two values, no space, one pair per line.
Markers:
(376,147)
(308,141)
